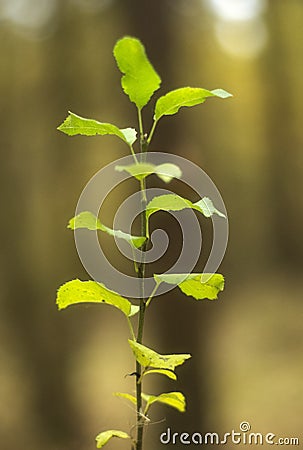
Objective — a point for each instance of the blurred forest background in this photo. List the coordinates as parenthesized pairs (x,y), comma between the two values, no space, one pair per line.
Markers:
(58,370)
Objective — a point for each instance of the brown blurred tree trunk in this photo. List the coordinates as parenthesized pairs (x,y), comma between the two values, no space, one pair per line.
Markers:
(39,336)
(284,127)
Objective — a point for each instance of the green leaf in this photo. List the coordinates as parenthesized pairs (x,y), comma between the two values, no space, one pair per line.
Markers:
(166,372)
(89,221)
(86,220)
(171,102)
(149,358)
(173,202)
(165,171)
(197,285)
(138,171)
(105,436)
(168,171)
(77,291)
(207,208)
(75,124)
(130,135)
(134,310)
(140,80)
(173,399)
(129,397)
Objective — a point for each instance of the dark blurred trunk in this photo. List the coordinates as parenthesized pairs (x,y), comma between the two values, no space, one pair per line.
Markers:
(38,334)
(284,131)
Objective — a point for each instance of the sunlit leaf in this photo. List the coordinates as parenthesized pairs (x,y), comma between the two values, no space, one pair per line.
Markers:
(140,80)
(166,171)
(75,124)
(166,372)
(105,436)
(89,221)
(197,285)
(129,397)
(171,102)
(174,399)
(77,291)
(149,358)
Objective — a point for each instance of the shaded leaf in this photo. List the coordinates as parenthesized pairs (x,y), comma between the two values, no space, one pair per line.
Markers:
(173,202)
(165,372)
(174,399)
(140,80)
(77,291)
(105,436)
(149,358)
(171,102)
(75,124)
(207,208)
(134,310)
(129,397)
(138,171)
(168,171)
(197,285)
(89,221)
(130,135)
(165,171)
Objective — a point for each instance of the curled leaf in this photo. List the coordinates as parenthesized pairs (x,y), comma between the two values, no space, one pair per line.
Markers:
(165,172)
(149,358)
(129,397)
(168,373)
(174,399)
(105,436)
(89,221)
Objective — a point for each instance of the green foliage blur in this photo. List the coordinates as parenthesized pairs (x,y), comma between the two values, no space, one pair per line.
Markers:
(57,373)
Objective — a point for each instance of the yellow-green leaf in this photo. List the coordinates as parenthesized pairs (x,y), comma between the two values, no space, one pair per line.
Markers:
(166,171)
(140,80)
(76,291)
(149,358)
(174,399)
(173,202)
(75,124)
(166,372)
(105,436)
(89,221)
(187,96)
(129,397)
(197,285)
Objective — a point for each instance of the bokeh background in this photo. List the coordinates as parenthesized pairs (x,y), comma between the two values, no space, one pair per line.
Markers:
(58,370)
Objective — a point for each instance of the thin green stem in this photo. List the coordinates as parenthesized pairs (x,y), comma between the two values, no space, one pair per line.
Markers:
(143,193)
(152,132)
(140,123)
(134,259)
(141,276)
(152,294)
(131,328)
(134,154)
